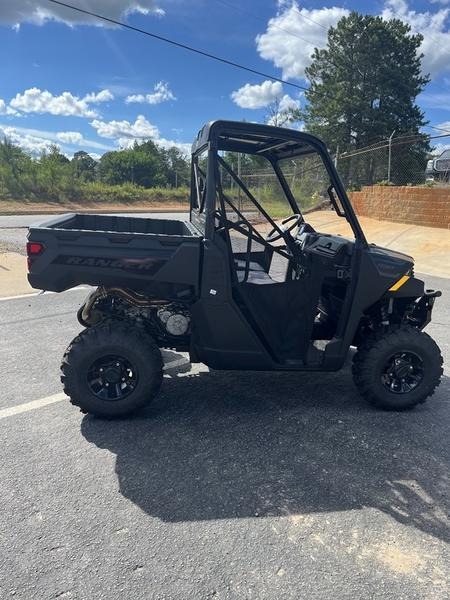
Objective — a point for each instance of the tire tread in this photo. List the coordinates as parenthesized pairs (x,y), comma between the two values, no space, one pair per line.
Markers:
(394,336)
(91,337)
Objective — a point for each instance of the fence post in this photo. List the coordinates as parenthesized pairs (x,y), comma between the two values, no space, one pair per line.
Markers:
(390,156)
(239,175)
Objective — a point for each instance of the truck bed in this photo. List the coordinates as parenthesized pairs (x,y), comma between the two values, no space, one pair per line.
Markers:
(159,257)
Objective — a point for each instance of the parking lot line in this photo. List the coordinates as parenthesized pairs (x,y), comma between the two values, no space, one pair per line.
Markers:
(33,405)
(34,294)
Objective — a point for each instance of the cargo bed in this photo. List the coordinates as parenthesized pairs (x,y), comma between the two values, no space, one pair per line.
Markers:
(153,256)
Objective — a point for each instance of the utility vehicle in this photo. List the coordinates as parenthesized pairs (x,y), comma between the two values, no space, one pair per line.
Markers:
(246,283)
(438,168)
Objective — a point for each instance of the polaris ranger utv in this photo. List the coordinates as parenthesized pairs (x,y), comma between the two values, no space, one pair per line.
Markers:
(247,283)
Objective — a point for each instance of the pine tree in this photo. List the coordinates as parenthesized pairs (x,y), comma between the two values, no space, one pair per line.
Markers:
(364,85)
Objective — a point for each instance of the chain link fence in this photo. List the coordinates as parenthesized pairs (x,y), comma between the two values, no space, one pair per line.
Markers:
(401,161)
(405,160)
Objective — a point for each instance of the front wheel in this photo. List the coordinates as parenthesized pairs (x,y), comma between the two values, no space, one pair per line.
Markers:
(111,370)
(397,369)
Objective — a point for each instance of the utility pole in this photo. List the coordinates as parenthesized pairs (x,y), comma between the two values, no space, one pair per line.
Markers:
(336,158)
(390,156)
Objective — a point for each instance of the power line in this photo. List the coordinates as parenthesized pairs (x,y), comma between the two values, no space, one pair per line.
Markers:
(438,128)
(178,44)
(294,9)
(252,14)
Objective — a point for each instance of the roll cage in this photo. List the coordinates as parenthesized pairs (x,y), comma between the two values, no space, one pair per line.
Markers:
(208,199)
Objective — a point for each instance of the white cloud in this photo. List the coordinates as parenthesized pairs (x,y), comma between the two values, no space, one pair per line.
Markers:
(281,114)
(161,93)
(39,101)
(433,26)
(71,137)
(257,96)
(182,147)
(35,140)
(268,94)
(307,29)
(35,145)
(124,130)
(103,96)
(126,134)
(288,103)
(38,12)
(7,110)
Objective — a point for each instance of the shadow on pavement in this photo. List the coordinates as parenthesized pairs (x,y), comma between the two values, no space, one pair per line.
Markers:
(223,445)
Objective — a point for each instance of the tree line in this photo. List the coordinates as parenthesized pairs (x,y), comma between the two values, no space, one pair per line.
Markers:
(55,177)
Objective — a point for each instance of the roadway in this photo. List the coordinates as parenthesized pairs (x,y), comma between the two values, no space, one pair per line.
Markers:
(230,486)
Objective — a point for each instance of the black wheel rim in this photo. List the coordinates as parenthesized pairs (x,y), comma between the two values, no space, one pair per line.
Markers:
(112,378)
(403,373)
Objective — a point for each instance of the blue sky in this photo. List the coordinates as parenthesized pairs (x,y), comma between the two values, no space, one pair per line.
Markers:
(93,87)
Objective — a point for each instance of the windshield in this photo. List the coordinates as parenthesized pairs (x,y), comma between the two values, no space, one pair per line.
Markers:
(308,180)
(260,190)
(266,193)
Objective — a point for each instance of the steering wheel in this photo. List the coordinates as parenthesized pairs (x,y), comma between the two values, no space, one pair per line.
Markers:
(276,235)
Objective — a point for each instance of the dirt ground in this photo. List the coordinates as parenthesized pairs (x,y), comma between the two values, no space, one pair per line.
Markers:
(8,207)
(429,246)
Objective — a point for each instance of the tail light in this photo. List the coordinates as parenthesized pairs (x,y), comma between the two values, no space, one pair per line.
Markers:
(34,249)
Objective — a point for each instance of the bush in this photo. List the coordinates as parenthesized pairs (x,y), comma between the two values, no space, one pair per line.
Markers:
(127,193)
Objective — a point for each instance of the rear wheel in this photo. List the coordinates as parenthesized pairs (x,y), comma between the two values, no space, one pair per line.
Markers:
(397,369)
(111,370)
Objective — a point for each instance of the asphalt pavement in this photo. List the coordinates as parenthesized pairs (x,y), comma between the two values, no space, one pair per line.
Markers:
(230,486)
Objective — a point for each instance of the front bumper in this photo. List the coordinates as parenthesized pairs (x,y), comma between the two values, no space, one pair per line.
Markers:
(423,307)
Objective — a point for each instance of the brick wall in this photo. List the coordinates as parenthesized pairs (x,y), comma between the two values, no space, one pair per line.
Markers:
(426,206)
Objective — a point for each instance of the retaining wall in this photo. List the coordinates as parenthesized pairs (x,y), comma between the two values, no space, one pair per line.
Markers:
(426,206)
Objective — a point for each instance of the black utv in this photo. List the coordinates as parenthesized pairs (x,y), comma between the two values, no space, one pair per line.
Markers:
(247,283)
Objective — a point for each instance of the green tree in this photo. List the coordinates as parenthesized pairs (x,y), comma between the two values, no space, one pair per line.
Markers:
(364,85)
(178,168)
(142,165)
(83,166)
(16,170)
(54,174)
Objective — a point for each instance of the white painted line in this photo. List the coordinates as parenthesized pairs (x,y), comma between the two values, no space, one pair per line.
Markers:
(33,294)
(33,405)
(23,296)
